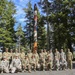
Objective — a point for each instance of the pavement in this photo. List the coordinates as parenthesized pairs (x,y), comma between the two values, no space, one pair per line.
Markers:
(66,72)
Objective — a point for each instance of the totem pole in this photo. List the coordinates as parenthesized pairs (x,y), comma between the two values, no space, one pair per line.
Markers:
(35,29)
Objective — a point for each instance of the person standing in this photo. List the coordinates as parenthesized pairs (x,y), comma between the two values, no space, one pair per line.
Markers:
(6,54)
(69,59)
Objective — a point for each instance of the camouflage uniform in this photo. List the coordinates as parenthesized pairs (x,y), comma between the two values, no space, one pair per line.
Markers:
(69,59)
(36,57)
(50,54)
(63,64)
(29,54)
(57,54)
(42,63)
(45,54)
(33,63)
(6,54)
(16,53)
(26,64)
(15,65)
(41,54)
(4,66)
(56,63)
(62,54)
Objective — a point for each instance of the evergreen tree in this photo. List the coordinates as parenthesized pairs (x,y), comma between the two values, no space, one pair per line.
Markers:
(7,23)
(20,35)
(29,24)
(42,35)
(60,15)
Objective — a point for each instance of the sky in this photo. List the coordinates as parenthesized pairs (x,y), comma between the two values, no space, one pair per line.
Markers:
(20,14)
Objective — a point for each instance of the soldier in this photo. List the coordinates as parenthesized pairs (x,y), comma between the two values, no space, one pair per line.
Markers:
(16,53)
(45,53)
(42,63)
(4,66)
(22,55)
(6,54)
(26,64)
(56,63)
(49,63)
(57,54)
(62,54)
(33,63)
(35,54)
(51,56)
(11,54)
(63,64)
(41,54)
(29,54)
(69,59)
(16,65)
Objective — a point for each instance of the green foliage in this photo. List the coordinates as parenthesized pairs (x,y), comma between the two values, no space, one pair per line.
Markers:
(42,42)
(61,14)
(29,24)
(7,10)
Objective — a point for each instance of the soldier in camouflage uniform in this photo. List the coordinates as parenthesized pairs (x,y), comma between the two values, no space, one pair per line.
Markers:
(16,53)
(22,55)
(29,54)
(56,63)
(63,64)
(4,66)
(50,54)
(16,65)
(69,59)
(41,54)
(33,63)
(6,54)
(62,54)
(42,63)
(49,63)
(45,53)
(26,64)
(57,54)
(35,54)
(11,54)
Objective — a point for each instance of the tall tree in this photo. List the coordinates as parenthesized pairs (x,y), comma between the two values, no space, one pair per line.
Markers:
(20,35)
(60,15)
(7,10)
(42,34)
(29,24)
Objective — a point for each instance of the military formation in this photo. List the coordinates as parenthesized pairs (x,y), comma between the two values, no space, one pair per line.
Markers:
(13,62)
